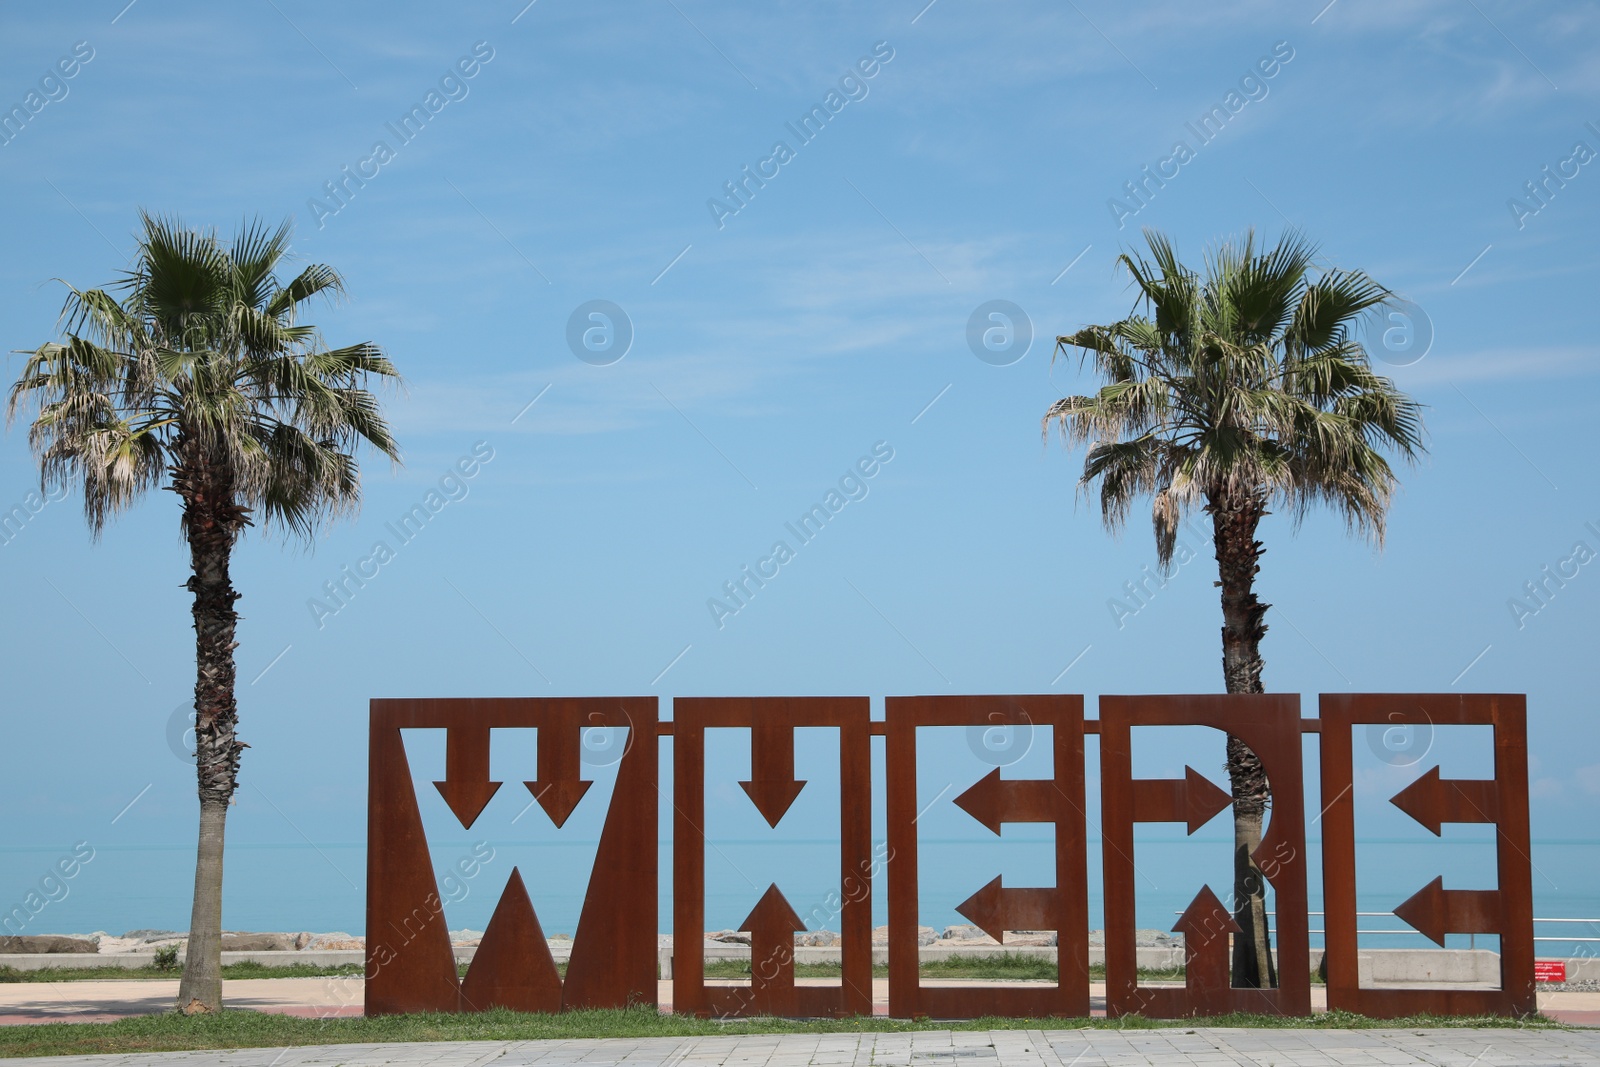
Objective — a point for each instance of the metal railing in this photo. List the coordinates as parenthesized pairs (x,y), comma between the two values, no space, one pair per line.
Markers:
(1591,922)
(1472,939)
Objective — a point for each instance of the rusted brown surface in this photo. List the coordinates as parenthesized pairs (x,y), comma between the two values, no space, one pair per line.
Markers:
(1270,725)
(993,801)
(410,965)
(513,967)
(1207,989)
(1433,801)
(772,788)
(772,925)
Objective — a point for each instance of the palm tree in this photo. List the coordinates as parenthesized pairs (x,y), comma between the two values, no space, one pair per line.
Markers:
(1239,390)
(202,379)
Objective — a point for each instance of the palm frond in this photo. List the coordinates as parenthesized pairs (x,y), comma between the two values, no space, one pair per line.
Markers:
(1243,381)
(201,362)
(317,278)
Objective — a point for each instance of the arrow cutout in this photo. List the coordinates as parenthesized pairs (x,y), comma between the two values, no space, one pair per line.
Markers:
(993,800)
(559,787)
(994,909)
(1205,925)
(772,925)
(466,787)
(1434,801)
(1435,911)
(1193,799)
(772,787)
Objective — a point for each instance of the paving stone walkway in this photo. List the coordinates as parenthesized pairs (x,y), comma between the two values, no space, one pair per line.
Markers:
(995,1048)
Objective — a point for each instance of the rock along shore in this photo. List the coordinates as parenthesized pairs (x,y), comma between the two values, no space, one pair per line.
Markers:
(152,941)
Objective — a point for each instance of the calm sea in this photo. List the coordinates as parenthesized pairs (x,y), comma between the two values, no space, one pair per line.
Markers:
(321,887)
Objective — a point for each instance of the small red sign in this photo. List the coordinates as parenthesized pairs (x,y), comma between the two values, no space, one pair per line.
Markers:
(1550,970)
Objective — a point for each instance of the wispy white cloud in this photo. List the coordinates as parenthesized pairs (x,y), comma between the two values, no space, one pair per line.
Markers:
(1499,364)
(815,300)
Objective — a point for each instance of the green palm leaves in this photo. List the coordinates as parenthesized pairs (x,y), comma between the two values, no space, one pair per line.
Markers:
(204,361)
(1246,382)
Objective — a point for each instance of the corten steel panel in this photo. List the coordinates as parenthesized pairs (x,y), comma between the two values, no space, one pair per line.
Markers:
(410,965)
(1432,801)
(1270,725)
(772,922)
(993,801)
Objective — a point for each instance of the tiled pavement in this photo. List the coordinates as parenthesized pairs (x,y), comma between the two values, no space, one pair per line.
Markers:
(996,1048)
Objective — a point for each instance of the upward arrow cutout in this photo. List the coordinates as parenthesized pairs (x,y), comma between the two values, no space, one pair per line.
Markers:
(466,787)
(772,921)
(1205,925)
(772,925)
(772,787)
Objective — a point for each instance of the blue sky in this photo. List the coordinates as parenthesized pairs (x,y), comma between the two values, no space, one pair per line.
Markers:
(984,159)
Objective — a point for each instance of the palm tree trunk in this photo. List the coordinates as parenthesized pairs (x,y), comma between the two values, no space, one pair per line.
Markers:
(200,991)
(1234,521)
(212,522)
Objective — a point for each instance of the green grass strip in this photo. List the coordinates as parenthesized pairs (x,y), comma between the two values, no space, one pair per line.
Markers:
(1004,966)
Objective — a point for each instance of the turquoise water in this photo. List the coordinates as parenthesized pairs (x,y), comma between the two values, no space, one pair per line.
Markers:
(294,884)
(321,887)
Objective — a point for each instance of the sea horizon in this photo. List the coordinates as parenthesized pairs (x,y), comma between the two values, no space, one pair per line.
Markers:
(320,887)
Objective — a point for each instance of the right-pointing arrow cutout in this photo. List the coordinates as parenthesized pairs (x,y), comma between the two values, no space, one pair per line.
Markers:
(1193,800)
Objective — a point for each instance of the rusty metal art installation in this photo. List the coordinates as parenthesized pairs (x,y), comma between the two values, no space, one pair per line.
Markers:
(994,908)
(1270,725)
(410,965)
(1431,800)
(772,788)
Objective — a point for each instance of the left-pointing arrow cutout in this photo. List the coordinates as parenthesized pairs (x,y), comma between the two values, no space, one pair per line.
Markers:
(994,909)
(466,787)
(1435,911)
(1434,801)
(994,801)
